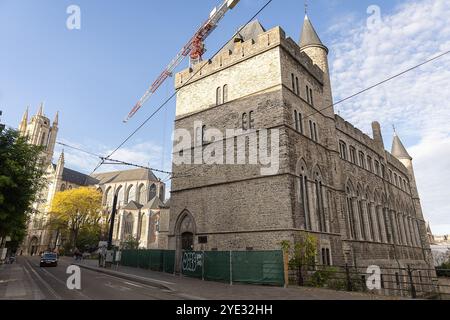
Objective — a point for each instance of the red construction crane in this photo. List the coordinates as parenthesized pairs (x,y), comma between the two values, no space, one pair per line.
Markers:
(195,48)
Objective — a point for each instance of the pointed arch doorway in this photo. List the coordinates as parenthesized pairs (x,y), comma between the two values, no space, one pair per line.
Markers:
(185,234)
(34,246)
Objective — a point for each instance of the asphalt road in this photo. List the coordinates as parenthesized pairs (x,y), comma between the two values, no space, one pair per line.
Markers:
(26,280)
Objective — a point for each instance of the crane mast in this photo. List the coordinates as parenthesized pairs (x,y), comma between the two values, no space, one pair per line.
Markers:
(194,48)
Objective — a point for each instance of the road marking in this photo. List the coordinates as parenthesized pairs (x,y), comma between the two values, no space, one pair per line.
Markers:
(63,283)
(47,286)
(37,293)
(134,285)
(144,286)
(125,274)
(118,287)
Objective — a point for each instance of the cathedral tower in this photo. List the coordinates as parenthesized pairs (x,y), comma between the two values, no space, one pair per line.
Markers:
(40,132)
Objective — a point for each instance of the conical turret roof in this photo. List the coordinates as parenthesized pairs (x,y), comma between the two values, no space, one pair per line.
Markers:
(398,149)
(309,35)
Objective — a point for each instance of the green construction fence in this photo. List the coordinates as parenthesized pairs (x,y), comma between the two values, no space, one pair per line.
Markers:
(253,267)
(156,260)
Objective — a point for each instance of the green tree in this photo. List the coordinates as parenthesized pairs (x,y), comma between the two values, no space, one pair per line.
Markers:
(130,243)
(302,254)
(89,236)
(21,179)
(77,208)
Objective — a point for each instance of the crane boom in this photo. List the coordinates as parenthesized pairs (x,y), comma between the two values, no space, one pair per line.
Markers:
(194,48)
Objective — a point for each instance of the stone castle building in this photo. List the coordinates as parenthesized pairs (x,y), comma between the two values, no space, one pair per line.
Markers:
(335,182)
(142,213)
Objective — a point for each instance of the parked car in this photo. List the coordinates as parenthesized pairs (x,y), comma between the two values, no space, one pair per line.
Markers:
(49,259)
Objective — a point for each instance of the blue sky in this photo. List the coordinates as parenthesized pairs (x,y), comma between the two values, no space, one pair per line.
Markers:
(94,76)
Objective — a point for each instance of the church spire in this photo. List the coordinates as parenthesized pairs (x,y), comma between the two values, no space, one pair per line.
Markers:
(55,122)
(398,149)
(60,165)
(24,123)
(41,110)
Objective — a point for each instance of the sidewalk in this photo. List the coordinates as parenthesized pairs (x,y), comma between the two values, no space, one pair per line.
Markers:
(206,290)
(17,284)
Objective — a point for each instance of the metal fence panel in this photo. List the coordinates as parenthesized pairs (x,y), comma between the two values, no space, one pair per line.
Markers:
(259,267)
(144,259)
(217,266)
(130,258)
(169,261)
(156,260)
(192,264)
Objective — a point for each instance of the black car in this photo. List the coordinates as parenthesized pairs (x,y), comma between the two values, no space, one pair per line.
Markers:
(49,260)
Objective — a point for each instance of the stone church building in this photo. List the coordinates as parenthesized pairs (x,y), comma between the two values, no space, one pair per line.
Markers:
(142,211)
(360,201)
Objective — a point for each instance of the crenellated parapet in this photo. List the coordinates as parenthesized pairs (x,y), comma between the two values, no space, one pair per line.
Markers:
(244,50)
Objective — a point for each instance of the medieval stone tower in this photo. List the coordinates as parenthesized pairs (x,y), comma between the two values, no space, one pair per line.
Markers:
(333,181)
(40,132)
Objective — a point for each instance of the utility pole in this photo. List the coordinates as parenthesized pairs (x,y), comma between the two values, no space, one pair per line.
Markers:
(113,217)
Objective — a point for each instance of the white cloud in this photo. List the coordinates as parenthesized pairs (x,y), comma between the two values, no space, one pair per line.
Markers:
(418,103)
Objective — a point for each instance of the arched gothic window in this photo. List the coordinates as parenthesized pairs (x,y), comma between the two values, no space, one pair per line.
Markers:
(361,216)
(251,120)
(152,192)
(128,226)
(303,196)
(120,196)
(131,196)
(369,218)
(244,121)
(320,202)
(225,93)
(351,214)
(43,141)
(219,96)
(141,194)
(109,197)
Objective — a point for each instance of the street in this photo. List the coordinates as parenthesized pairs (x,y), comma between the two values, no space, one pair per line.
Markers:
(25,280)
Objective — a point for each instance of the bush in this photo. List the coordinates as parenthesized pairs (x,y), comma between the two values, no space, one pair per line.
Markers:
(443,270)
(323,278)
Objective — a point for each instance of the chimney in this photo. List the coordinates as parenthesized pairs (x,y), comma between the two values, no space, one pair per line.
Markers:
(376,129)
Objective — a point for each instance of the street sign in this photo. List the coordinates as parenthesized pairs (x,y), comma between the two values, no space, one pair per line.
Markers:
(118,256)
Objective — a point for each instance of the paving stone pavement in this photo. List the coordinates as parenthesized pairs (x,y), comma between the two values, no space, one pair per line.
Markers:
(207,290)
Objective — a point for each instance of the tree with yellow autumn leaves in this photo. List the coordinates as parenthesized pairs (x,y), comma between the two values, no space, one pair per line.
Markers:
(75,210)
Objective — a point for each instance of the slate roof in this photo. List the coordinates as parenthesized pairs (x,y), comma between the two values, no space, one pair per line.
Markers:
(133,205)
(123,176)
(154,204)
(76,177)
(251,31)
(309,35)
(167,204)
(399,150)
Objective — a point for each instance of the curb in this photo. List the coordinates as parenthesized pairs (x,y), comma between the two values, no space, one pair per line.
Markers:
(148,281)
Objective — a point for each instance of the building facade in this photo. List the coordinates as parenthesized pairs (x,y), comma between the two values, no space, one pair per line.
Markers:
(141,194)
(335,182)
